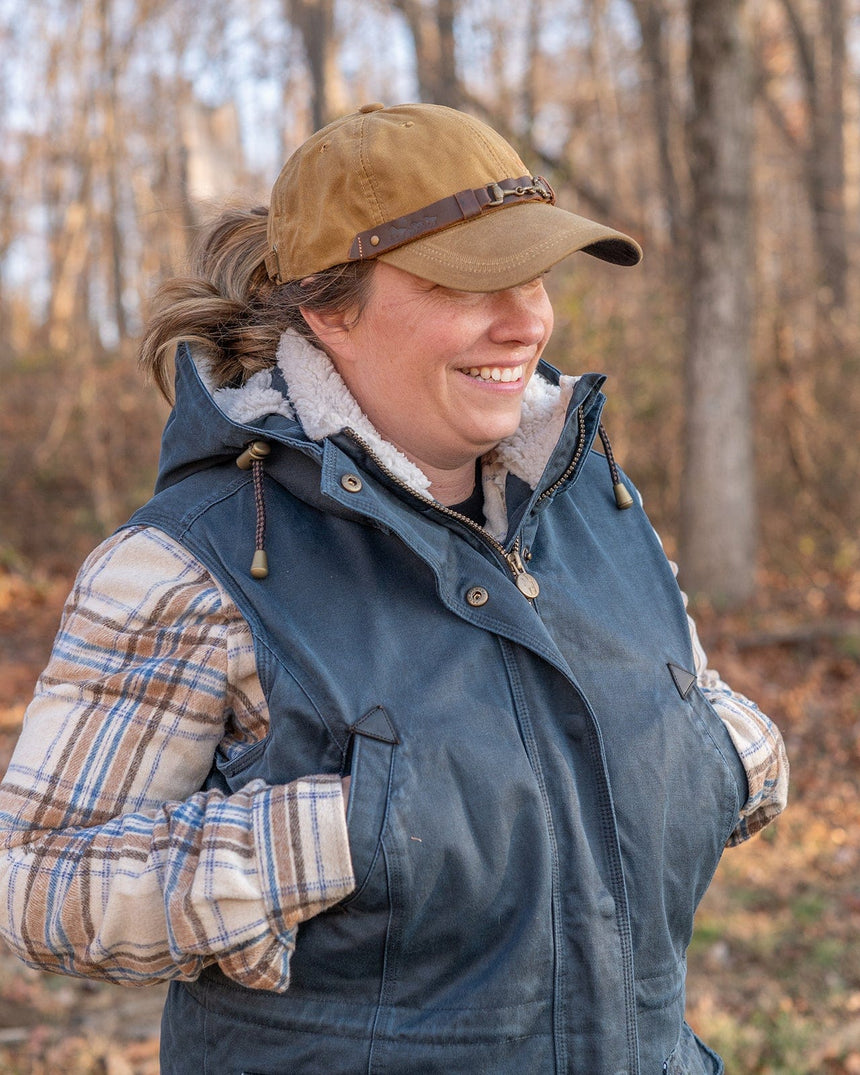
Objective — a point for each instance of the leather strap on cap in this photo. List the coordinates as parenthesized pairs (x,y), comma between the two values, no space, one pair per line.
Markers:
(451,210)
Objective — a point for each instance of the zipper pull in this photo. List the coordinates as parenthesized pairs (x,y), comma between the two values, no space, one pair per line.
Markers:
(527,584)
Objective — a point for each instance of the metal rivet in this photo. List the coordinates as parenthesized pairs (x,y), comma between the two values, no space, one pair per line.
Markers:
(374,240)
(477,596)
(351,482)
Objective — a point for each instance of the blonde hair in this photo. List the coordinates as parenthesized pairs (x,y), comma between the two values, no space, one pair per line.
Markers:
(229,308)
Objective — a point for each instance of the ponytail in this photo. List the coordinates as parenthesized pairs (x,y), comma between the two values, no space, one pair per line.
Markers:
(229,308)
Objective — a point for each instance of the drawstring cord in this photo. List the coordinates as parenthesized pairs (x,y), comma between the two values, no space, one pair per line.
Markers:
(260,563)
(252,459)
(623,499)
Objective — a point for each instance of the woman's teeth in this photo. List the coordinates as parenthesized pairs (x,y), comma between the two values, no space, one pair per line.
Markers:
(496,373)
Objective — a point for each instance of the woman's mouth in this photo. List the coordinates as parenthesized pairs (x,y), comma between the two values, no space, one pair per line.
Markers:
(496,373)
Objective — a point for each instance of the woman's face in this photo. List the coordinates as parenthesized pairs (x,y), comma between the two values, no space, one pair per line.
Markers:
(441,373)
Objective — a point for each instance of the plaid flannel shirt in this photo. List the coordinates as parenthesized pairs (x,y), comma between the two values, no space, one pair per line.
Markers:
(113,864)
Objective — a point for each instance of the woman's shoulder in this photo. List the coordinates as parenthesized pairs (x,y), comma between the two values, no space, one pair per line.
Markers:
(140,572)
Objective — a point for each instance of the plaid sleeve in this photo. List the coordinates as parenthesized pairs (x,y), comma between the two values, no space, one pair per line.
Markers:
(756,739)
(113,864)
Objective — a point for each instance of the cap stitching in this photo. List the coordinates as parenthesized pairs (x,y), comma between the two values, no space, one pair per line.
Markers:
(491,149)
(471,262)
(367,184)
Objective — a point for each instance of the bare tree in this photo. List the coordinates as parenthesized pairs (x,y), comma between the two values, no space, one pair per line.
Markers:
(315,21)
(653,19)
(819,38)
(530,87)
(111,162)
(718,517)
(431,24)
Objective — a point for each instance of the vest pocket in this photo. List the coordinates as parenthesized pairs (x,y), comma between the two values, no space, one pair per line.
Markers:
(232,768)
(692,1057)
(716,733)
(373,746)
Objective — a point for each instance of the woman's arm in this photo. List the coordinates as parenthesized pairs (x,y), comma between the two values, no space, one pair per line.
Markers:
(113,864)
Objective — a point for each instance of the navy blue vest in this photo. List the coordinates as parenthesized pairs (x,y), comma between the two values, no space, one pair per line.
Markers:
(540,793)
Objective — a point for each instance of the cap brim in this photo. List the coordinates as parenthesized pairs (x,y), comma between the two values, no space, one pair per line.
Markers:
(509,247)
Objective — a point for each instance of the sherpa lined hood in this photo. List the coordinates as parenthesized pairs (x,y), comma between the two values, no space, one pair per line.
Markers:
(303,400)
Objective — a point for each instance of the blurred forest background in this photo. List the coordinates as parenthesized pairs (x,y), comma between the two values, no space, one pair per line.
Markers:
(725,135)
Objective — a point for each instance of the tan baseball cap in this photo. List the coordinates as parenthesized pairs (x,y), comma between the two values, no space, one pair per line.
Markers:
(430,190)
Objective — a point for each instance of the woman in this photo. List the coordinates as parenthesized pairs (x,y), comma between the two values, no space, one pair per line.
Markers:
(381,730)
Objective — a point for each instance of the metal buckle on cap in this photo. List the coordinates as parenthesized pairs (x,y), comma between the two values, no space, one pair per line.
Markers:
(538,186)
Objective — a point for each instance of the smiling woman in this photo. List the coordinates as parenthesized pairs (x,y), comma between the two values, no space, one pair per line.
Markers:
(411,788)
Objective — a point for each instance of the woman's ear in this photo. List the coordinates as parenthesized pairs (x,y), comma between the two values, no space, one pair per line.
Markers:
(331,327)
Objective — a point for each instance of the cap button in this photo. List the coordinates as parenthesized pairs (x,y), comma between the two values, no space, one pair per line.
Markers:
(375,107)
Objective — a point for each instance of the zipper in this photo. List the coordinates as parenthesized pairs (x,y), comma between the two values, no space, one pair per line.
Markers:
(577,455)
(526,583)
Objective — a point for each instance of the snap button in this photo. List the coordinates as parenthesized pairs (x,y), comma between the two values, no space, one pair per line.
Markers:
(374,240)
(375,107)
(477,596)
(351,482)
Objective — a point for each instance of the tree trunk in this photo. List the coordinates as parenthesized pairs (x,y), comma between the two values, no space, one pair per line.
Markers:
(448,92)
(653,22)
(821,63)
(827,164)
(111,164)
(530,86)
(431,25)
(718,517)
(314,19)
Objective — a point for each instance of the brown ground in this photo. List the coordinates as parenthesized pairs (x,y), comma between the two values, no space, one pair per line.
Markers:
(775,963)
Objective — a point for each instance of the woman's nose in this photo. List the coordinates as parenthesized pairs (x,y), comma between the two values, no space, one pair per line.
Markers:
(523,315)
